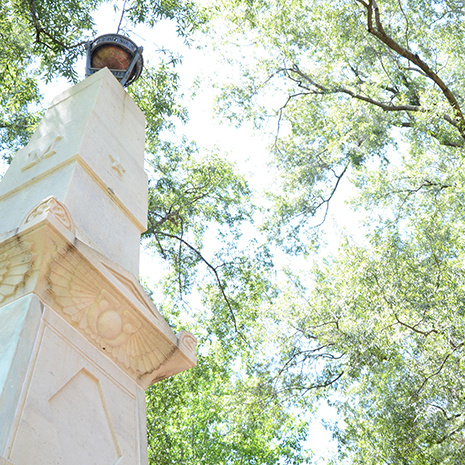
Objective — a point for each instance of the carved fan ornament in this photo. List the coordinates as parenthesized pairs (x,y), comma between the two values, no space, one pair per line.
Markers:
(188,340)
(16,260)
(53,206)
(87,300)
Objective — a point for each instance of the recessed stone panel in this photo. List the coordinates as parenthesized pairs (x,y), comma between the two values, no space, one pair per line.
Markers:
(83,422)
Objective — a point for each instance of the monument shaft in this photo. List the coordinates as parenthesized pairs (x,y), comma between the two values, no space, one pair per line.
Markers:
(80,341)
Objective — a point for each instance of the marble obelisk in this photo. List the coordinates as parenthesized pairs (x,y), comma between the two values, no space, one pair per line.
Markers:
(79,339)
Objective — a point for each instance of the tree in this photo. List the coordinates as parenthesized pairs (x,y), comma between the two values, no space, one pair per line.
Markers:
(375,328)
(347,71)
(213,415)
(43,40)
(191,192)
(381,320)
(19,88)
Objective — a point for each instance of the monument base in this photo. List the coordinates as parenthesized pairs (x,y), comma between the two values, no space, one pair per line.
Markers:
(66,403)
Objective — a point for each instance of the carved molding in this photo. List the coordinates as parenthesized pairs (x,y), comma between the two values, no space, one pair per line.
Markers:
(51,205)
(91,304)
(4,461)
(188,340)
(16,261)
(36,157)
(94,421)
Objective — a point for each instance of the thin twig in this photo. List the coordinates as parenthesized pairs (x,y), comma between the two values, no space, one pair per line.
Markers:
(215,273)
(122,15)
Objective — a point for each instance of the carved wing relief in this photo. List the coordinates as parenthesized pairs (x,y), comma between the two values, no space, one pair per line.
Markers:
(89,303)
(16,260)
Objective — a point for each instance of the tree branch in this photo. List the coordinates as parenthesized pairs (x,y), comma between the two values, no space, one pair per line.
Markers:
(414,327)
(280,114)
(388,107)
(333,191)
(340,89)
(376,29)
(439,369)
(41,31)
(447,416)
(213,270)
(323,385)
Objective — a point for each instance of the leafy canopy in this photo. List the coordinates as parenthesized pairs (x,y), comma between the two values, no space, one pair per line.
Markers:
(376,327)
(371,93)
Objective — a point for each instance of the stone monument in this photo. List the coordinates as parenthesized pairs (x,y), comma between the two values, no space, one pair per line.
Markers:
(80,341)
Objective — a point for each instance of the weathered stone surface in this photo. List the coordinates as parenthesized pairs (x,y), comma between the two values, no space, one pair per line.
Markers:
(101,300)
(82,366)
(90,429)
(19,324)
(79,338)
(88,152)
(4,461)
(79,407)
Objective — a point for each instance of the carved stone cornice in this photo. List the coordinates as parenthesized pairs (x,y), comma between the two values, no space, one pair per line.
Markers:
(99,299)
(86,299)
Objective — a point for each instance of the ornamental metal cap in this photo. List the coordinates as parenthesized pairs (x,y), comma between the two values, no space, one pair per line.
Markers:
(117,53)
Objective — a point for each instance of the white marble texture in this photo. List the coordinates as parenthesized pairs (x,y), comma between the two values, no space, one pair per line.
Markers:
(80,340)
(88,151)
